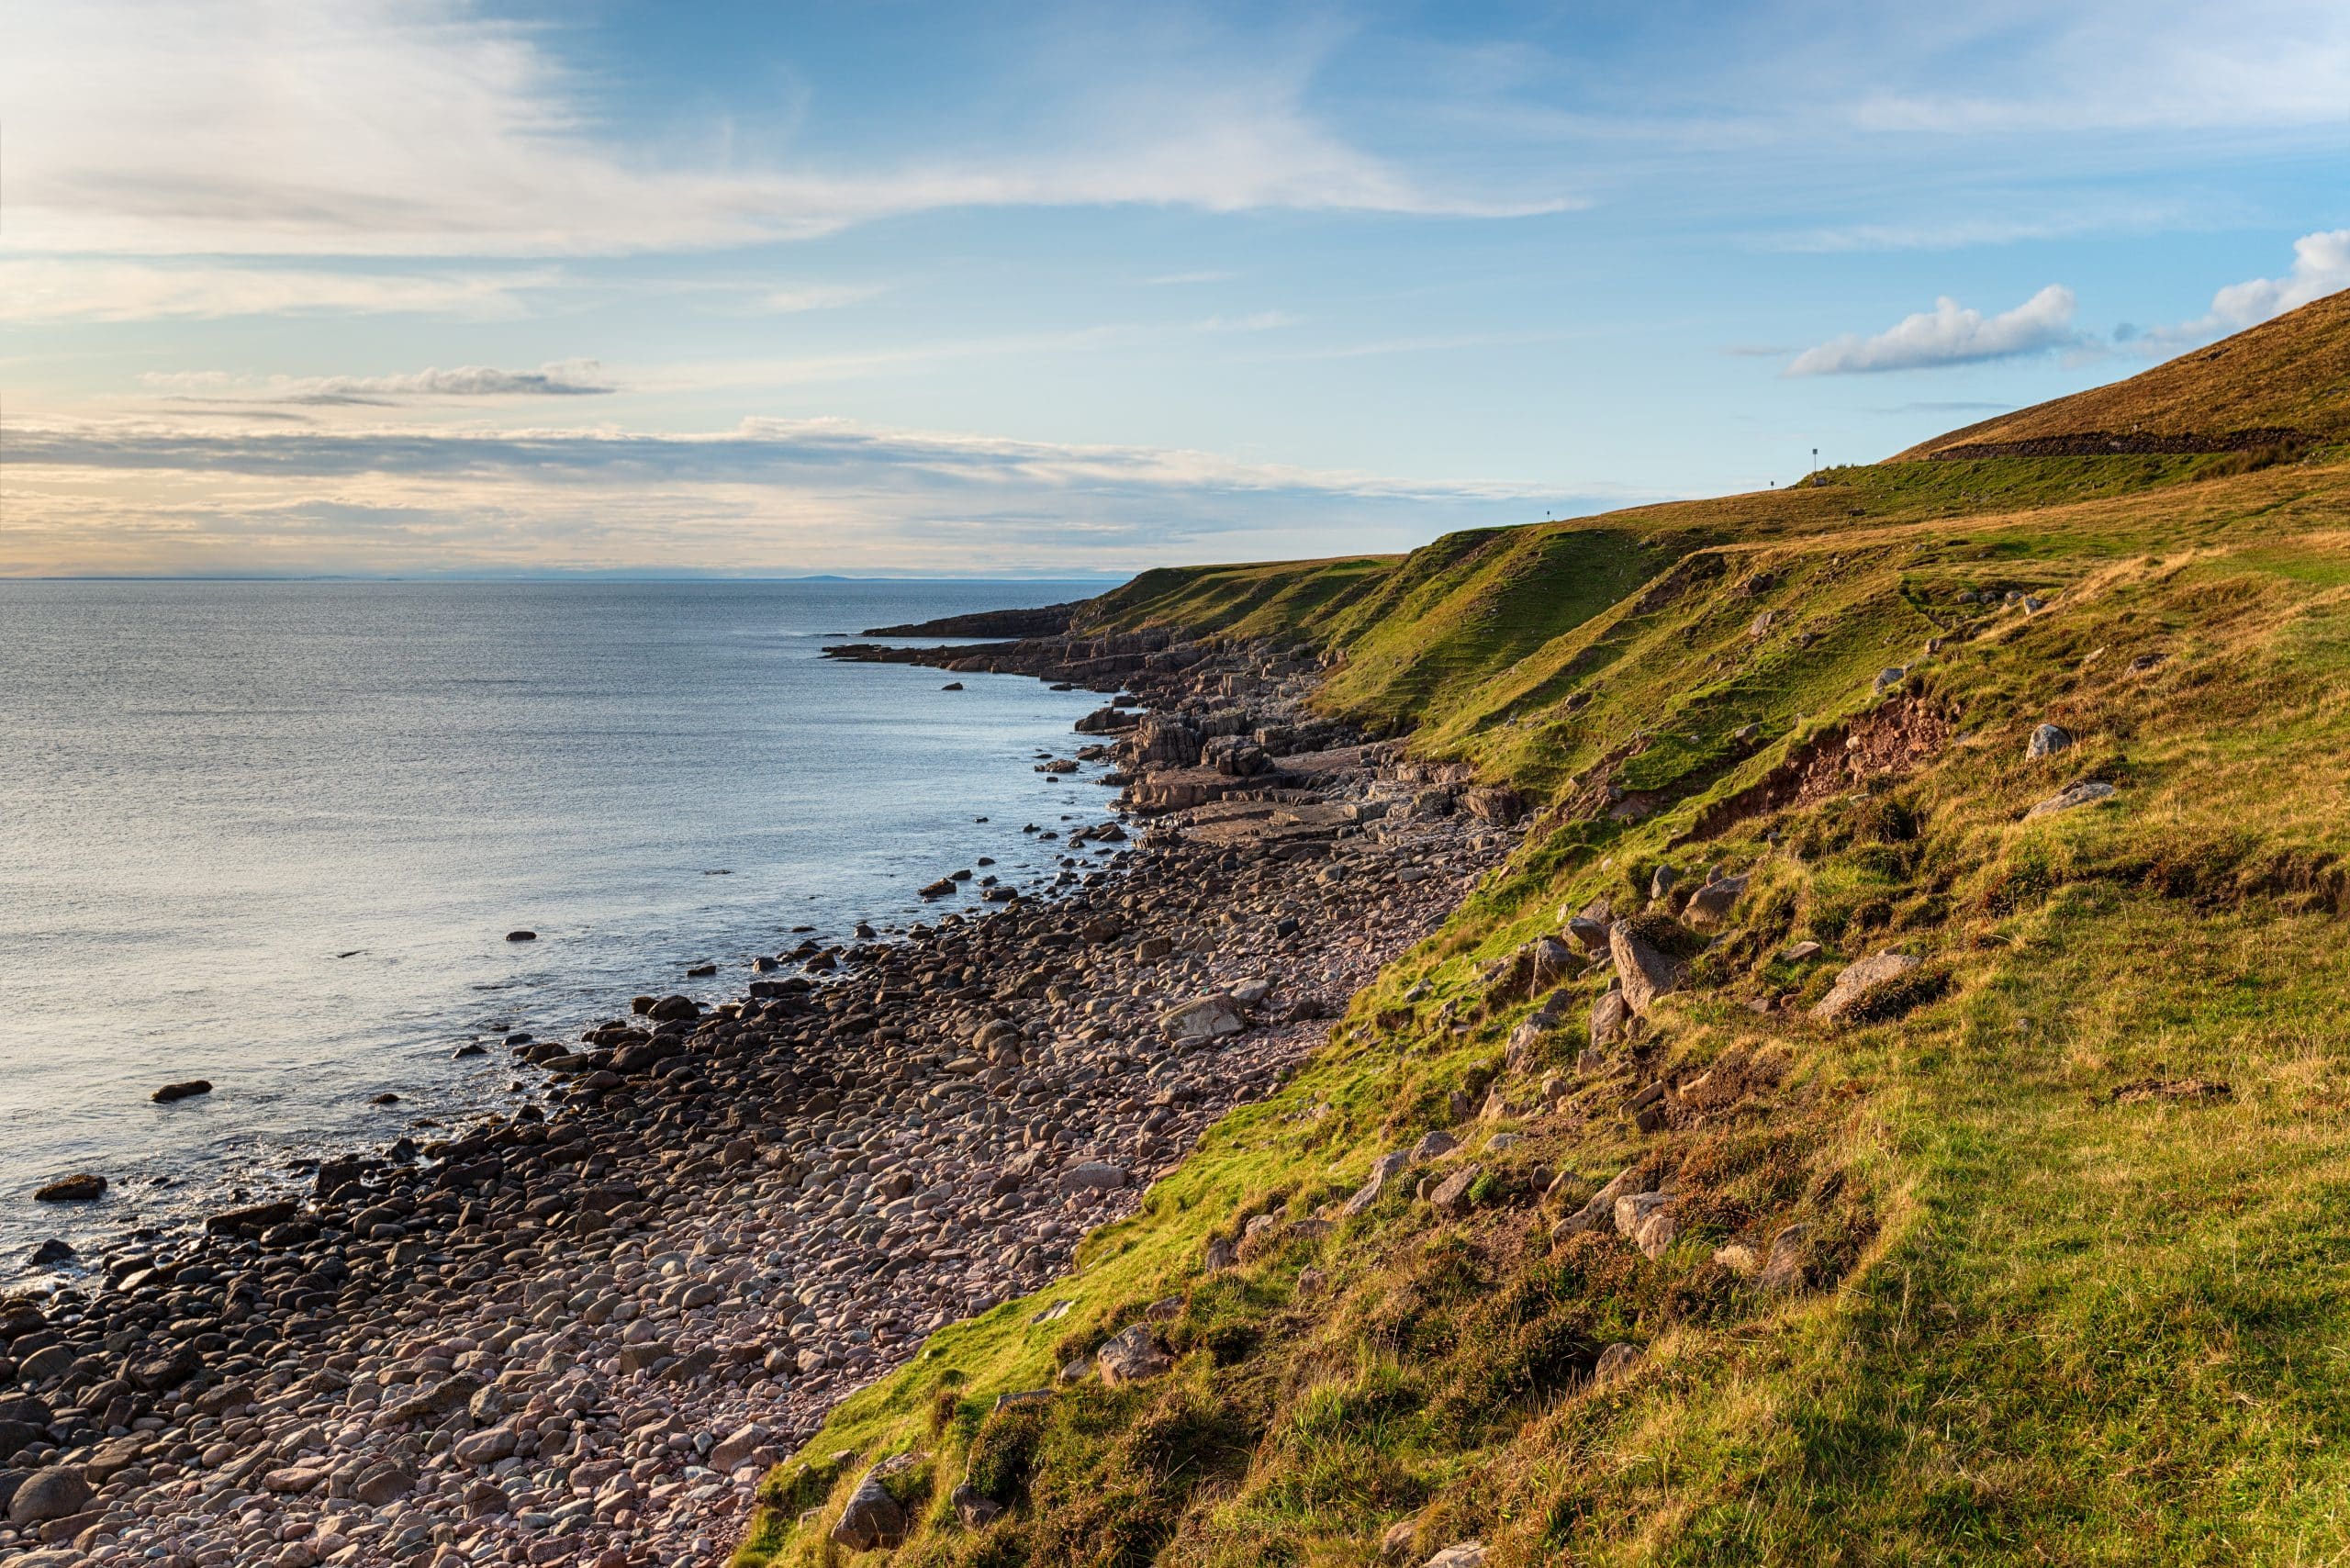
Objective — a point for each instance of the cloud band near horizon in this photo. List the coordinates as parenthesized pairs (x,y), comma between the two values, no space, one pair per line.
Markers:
(769,496)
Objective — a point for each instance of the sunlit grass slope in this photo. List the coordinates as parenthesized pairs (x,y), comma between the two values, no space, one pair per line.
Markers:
(2077,1193)
(2292,374)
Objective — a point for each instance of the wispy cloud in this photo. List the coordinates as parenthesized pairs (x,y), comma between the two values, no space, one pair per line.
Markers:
(1255,321)
(424,127)
(757,449)
(1959,406)
(2136,65)
(814,296)
(1166,280)
(569,378)
(1948,334)
(2006,225)
(48,289)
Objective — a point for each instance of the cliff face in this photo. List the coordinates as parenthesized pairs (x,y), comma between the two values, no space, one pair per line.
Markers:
(1886,1107)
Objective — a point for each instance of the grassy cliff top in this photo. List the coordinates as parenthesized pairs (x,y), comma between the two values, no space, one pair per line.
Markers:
(2062,1210)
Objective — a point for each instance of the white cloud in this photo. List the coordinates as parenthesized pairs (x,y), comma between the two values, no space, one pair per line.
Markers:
(35,289)
(1948,334)
(2321,266)
(420,127)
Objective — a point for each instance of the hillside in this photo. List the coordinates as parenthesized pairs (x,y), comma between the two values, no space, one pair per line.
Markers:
(2022,1245)
(2285,382)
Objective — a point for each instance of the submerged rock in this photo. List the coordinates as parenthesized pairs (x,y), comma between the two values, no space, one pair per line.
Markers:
(80,1188)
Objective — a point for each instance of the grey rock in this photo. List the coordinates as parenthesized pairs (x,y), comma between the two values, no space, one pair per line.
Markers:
(153,1374)
(1495,803)
(49,1361)
(1132,1355)
(1093,1176)
(1382,1171)
(1647,1220)
(1615,1362)
(1235,756)
(1601,1210)
(731,1453)
(1711,904)
(1857,981)
(57,1493)
(485,1448)
(383,1484)
(2086,794)
(1203,1019)
(1611,1016)
(81,1188)
(1646,974)
(2047,740)
(974,1507)
(871,1519)
(1451,1194)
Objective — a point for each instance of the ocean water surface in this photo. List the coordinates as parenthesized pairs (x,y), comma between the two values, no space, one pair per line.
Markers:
(274,836)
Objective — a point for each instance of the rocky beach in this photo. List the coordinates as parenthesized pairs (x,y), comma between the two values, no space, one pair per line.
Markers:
(580,1333)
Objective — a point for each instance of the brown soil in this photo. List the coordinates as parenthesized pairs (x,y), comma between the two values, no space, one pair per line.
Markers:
(1891,742)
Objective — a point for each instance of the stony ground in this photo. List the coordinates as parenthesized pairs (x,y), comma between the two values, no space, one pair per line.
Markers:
(579,1336)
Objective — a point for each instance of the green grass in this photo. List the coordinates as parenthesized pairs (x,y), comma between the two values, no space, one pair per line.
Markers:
(2044,1327)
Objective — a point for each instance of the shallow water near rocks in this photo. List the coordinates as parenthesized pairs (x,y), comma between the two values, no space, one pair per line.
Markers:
(274,836)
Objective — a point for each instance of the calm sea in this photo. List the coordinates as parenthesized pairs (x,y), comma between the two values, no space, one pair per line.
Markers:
(274,834)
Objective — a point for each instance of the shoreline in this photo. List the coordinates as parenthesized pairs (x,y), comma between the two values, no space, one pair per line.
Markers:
(300,1049)
(581,1337)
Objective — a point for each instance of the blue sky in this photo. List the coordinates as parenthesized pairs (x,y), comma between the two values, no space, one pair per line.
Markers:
(408,285)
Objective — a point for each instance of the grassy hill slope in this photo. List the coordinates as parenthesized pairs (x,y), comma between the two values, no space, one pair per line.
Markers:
(2064,1210)
(2287,380)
